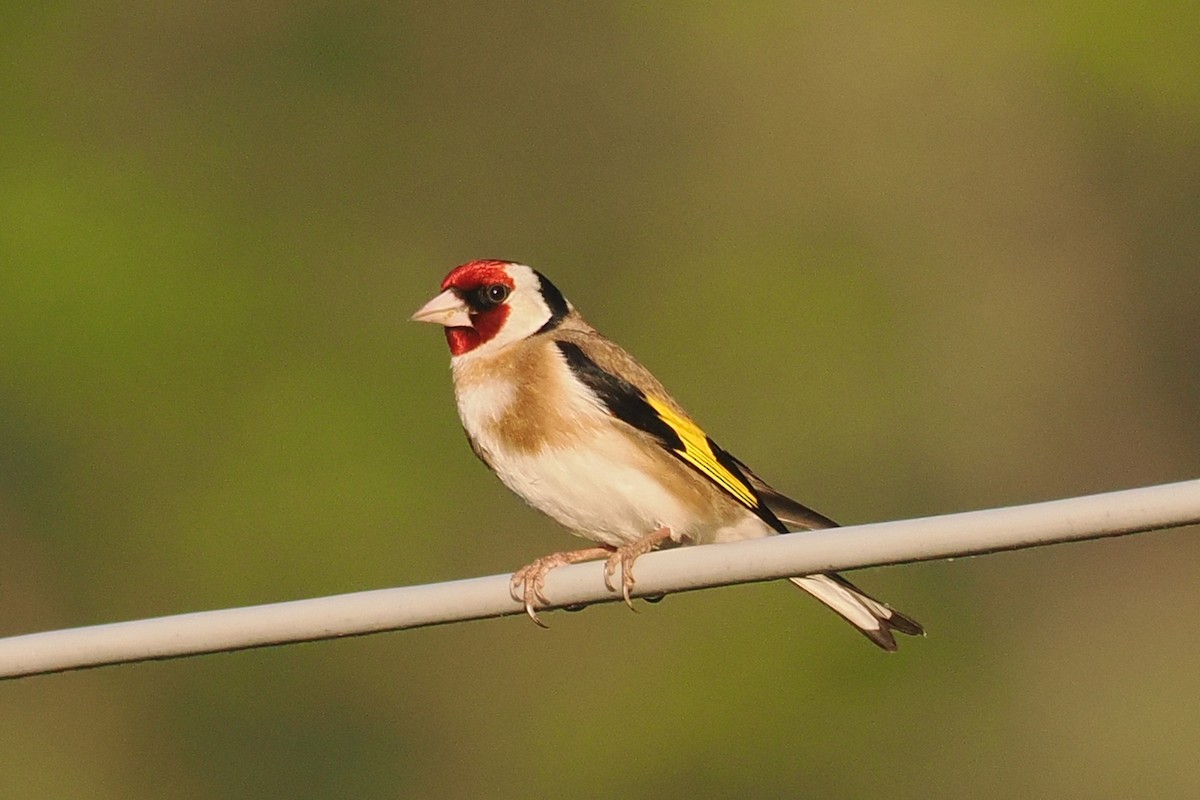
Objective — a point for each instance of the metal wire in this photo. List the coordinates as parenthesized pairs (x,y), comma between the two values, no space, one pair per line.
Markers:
(682,569)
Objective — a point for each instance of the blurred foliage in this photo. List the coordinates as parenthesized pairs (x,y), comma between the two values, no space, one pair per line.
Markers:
(948,255)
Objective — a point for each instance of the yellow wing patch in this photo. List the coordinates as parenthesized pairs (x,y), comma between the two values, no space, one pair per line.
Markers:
(698,451)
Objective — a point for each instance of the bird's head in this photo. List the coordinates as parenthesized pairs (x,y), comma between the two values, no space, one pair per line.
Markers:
(493,303)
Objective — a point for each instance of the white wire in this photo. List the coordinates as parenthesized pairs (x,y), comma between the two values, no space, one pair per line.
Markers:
(683,569)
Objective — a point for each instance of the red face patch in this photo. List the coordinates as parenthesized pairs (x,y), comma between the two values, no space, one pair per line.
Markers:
(467,278)
(487,325)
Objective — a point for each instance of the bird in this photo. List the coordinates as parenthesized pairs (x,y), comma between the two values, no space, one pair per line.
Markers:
(579,429)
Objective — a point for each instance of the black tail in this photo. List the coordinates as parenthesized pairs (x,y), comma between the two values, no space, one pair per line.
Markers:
(873,619)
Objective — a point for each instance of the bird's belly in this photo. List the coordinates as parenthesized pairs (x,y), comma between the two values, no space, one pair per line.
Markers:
(594,493)
(598,482)
(746,526)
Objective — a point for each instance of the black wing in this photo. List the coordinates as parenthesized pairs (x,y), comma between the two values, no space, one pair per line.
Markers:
(677,434)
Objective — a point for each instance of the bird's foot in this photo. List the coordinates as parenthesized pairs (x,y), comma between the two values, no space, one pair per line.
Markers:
(623,557)
(527,582)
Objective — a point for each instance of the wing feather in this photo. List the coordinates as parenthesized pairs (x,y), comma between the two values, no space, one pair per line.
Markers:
(790,511)
(660,417)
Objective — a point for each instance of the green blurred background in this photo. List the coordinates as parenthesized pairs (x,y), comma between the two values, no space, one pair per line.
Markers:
(948,256)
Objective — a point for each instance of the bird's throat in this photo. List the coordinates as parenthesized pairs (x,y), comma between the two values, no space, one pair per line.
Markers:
(487,325)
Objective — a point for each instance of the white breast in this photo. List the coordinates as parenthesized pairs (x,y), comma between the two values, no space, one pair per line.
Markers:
(482,403)
(588,484)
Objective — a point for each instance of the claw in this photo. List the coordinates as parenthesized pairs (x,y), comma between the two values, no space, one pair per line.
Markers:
(610,568)
(528,582)
(624,561)
(625,555)
(532,612)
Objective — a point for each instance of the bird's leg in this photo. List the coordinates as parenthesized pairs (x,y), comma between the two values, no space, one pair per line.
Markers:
(624,556)
(527,582)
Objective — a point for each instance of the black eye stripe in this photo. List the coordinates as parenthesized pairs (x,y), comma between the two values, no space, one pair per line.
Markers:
(486,297)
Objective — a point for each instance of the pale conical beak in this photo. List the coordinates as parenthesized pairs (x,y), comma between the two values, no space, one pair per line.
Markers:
(445,309)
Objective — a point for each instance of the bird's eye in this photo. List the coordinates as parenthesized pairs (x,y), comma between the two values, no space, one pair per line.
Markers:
(486,297)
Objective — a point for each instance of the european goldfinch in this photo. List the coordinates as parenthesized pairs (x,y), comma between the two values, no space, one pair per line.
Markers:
(584,433)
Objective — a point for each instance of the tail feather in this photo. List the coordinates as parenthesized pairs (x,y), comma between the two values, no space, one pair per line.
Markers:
(873,619)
